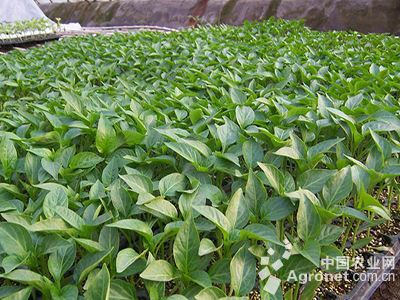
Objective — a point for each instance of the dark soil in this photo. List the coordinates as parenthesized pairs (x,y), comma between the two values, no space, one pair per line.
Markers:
(389,290)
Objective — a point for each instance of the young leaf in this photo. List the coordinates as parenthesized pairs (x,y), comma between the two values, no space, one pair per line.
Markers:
(275,177)
(120,198)
(215,216)
(237,212)
(186,246)
(308,220)
(122,290)
(85,160)
(266,233)
(228,133)
(61,260)
(87,263)
(135,225)
(15,239)
(237,96)
(138,183)
(338,187)
(206,247)
(99,288)
(8,157)
(243,272)
(51,167)
(106,137)
(314,179)
(255,193)
(125,258)
(210,293)
(56,197)
(159,270)
(172,183)
(276,208)
(252,153)
(245,116)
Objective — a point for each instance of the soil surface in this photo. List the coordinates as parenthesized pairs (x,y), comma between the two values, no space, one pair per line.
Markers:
(389,290)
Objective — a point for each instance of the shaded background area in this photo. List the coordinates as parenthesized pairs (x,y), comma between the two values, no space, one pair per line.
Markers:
(361,15)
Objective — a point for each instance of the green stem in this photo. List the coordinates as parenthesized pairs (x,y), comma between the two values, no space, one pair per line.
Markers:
(296,291)
(390,193)
(346,235)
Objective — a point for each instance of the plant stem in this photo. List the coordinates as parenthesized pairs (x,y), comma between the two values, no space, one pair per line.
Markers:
(346,235)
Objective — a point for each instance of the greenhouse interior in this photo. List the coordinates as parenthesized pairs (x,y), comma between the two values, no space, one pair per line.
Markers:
(199,149)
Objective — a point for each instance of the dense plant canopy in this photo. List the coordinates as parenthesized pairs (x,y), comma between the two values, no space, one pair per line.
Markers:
(28,27)
(168,164)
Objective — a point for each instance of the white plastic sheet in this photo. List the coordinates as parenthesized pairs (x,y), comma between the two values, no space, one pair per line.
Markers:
(19,10)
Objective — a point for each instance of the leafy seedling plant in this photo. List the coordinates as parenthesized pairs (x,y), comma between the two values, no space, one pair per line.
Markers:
(165,166)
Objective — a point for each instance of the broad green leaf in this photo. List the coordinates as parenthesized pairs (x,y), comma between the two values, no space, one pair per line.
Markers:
(314,179)
(8,157)
(276,208)
(110,172)
(237,212)
(32,167)
(245,116)
(163,207)
(186,247)
(67,292)
(89,245)
(252,153)
(22,294)
(312,251)
(99,288)
(85,160)
(338,187)
(261,232)
(53,199)
(172,183)
(106,137)
(215,216)
(275,177)
(61,261)
(120,199)
(138,226)
(228,133)
(369,203)
(97,191)
(51,167)
(383,145)
(329,234)
(12,262)
(28,277)
(200,277)
(159,270)
(70,217)
(15,239)
(308,220)
(322,147)
(122,290)
(219,271)
(87,263)
(255,193)
(125,258)
(243,272)
(206,247)
(186,151)
(237,96)
(210,293)
(138,183)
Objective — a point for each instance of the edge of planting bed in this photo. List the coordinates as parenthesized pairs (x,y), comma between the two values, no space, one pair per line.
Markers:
(365,289)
